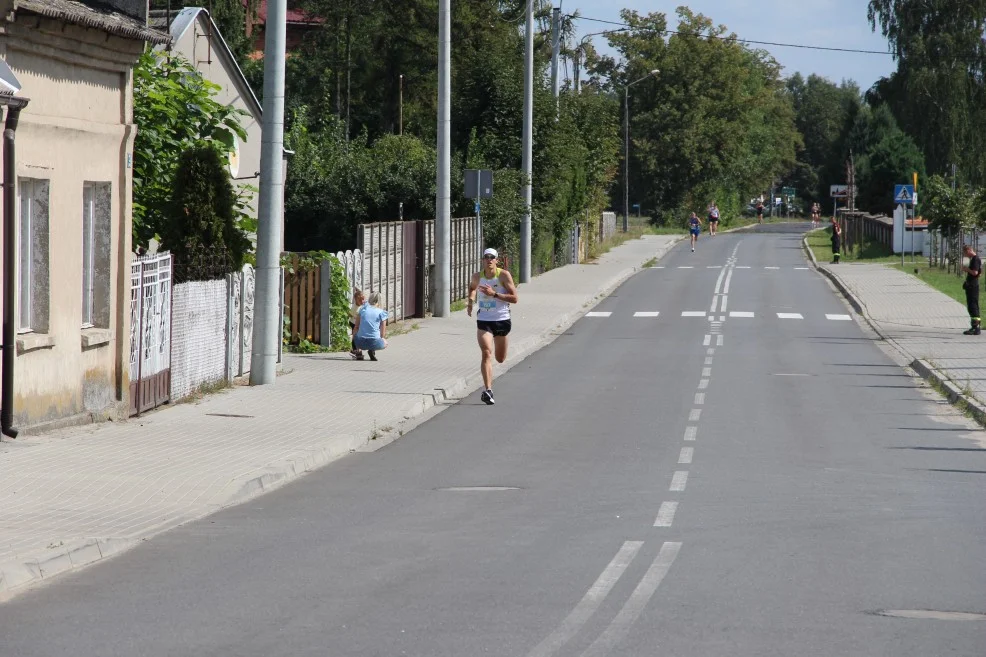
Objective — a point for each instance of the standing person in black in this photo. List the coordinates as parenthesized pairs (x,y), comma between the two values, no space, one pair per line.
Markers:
(759,212)
(971,287)
(836,241)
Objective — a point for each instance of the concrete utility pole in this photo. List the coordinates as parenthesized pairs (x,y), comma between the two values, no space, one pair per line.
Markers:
(626,149)
(555,54)
(443,210)
(268,322)
(526,164)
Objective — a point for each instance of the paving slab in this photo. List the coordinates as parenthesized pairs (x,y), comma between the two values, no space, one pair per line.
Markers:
(80,495)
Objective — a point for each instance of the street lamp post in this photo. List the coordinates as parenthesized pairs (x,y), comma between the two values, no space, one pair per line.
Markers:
(626,149)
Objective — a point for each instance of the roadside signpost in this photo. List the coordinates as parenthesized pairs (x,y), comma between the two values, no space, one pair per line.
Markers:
(479,185)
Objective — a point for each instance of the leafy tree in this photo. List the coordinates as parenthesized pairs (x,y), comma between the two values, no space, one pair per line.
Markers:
(886,156)
(202,230)
(947,209)
(174,110)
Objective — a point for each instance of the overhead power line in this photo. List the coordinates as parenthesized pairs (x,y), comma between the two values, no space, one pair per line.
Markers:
(737,38)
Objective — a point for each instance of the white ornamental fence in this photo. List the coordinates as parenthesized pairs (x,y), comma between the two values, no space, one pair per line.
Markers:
(150,331)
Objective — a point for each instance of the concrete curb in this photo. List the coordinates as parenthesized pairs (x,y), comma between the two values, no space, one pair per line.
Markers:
(921,367)
(21,574)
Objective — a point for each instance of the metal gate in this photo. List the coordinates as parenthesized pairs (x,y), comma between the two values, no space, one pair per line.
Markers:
(150,332)
(413,267)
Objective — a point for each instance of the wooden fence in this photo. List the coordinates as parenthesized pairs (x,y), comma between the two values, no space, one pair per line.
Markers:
(302,298)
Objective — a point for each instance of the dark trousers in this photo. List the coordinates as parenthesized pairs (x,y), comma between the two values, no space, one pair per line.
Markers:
(972,301)
(836,248)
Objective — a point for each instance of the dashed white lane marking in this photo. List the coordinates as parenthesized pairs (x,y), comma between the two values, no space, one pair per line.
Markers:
(694,416)
(742,267)
(598,314)
(590,601)
(802,267)
(665,515)
(789,316)
(722,318)
(678,481)
(741,313)
(635,605)
(718,340)
(703,384)
(839,318)
(646,314)
(658,267)
(708,360)
(706,371)
(686,455)
(699,398)
(686,267)
(771,267)
(713,266)
(693,313)
(692,432)
(707,341)
(711,352)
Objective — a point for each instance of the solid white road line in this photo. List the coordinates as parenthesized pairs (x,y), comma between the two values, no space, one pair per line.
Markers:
(692,432)
(789,316)
(719,282)
(646,314)
(729,278)
(839,318)
(703,384)
(699,398)
(678,481)
(621,624)
(665,515)
(590,602)
(693,313)
(718,340)
(724,299)
(598,314)
(694,416)
(741,313)
(715,302)
(706,371)
(686,455)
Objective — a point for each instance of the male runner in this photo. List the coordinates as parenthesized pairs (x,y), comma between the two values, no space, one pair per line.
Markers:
(971,286)
(496,291)
(815,214)
(713,219)
(694,227)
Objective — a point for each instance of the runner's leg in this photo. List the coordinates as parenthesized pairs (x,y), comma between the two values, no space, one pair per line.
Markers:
(485,339)
(500,343)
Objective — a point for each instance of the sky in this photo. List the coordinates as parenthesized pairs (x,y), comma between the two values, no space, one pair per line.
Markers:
(829,23)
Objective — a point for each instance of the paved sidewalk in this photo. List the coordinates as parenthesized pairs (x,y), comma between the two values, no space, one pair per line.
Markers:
(923,323)
(74,497)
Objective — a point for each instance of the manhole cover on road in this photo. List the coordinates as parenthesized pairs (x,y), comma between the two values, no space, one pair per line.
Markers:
(930,614)
(480,489)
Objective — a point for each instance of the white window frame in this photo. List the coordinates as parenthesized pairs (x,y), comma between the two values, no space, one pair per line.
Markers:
(25,264)
(88,253)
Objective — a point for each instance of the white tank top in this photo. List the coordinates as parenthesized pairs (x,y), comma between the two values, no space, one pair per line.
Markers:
(492,309)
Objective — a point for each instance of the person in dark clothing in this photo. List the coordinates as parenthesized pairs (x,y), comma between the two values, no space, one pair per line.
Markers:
(971,287)
(836,241)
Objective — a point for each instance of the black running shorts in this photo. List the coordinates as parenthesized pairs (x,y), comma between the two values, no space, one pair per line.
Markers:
(498,329)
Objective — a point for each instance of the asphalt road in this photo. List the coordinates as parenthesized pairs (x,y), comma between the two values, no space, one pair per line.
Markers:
(757,478)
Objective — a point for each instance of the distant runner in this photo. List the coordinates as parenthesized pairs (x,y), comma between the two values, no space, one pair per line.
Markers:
(694,227)
(496,291)
(971,286)
(713,219)
(815,214)
(759,212)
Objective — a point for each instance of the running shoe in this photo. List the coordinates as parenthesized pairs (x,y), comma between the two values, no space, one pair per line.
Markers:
(487,397)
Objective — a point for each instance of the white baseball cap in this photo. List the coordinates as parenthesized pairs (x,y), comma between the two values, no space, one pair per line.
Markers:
(491,252)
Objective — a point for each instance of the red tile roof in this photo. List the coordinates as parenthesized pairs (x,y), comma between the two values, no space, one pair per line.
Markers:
(294,15)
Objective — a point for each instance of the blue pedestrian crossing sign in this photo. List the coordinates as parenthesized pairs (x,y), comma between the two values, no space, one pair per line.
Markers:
(904,194)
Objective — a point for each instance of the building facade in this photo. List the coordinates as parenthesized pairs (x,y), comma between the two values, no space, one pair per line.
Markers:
(74,178)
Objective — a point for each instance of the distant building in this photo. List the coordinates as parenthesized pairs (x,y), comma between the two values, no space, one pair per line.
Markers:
(298,25)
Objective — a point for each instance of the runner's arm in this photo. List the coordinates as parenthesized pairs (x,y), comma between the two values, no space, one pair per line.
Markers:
(507,281)
(473,286)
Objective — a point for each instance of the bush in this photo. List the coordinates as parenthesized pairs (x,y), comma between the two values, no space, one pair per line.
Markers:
(201,230)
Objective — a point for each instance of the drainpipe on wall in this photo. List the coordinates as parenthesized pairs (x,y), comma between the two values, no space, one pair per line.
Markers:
(14,107)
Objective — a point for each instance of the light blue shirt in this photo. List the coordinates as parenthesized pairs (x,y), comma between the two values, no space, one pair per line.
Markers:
(370,318)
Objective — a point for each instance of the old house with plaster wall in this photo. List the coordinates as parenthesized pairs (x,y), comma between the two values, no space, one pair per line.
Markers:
(75,63)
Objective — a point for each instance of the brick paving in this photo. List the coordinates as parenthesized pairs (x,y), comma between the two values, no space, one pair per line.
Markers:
(922,322)
(76,496)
